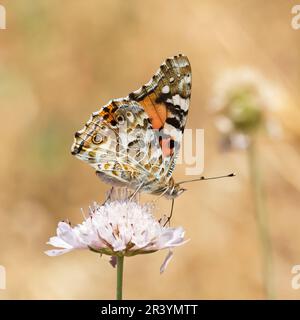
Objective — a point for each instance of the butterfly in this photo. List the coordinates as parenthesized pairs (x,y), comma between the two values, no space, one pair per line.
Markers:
(134,141)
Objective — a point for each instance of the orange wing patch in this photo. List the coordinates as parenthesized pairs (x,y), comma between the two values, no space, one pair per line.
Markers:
(107,113)
(157,112)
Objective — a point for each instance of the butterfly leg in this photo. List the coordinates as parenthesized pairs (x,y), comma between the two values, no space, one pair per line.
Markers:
(171,213)
(136,191)
(161,195)
(108,197)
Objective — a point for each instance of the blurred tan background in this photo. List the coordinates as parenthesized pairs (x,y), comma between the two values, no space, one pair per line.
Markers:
(62,60)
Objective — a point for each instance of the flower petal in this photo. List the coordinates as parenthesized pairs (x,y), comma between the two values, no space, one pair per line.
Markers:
(170,237)
(67,234)
(166,261)
(58,242)
(57,252)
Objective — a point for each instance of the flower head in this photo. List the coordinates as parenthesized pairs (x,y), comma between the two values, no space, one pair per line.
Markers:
(117,228)
(244,102)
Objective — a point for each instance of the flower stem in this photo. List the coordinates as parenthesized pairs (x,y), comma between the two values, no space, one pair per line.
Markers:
(120,263)
(261,221)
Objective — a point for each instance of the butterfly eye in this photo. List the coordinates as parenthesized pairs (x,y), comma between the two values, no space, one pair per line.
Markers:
(97,138)
(120,119)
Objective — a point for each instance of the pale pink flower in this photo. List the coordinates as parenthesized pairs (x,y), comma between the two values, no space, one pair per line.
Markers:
(244,101)
(118,228)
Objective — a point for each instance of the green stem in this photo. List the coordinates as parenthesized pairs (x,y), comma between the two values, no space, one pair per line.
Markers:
(262,221)
(120,264)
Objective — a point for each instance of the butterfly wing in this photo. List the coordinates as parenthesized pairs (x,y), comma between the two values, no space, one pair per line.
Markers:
(114,141)
(136,139)
(166,99)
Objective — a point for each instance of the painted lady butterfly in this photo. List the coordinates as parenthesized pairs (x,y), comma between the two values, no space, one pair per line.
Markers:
(134,141)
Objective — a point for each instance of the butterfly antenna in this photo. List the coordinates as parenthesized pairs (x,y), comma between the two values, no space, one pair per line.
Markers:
(208,178)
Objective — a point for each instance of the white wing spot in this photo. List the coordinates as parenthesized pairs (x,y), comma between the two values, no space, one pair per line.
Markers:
(165,89)
(187,78)
(171,80)
(179,101)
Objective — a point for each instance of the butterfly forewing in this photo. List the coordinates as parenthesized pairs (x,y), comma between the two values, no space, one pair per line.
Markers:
(166,99)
